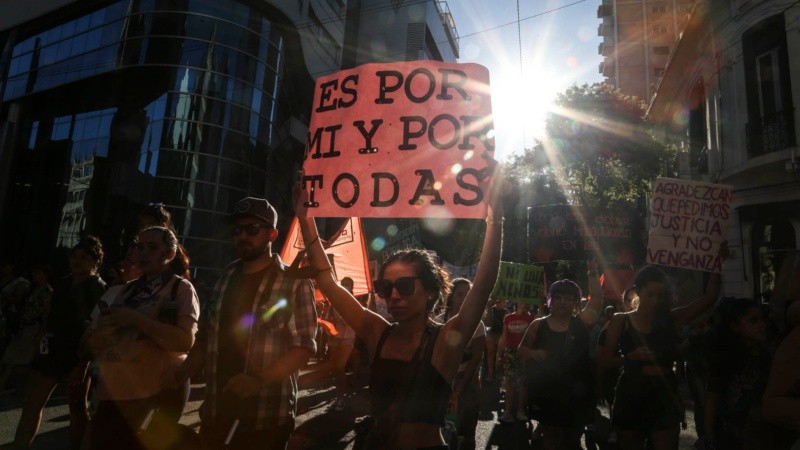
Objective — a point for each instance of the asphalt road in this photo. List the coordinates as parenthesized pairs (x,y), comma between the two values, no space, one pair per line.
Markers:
(318,427)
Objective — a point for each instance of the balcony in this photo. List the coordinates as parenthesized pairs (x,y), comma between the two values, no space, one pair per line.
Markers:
(605,10)
(772,133)
(605,48)
(449,24)
(608,69)
(606,28)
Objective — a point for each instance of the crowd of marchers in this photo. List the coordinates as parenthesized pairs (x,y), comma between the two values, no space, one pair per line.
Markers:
(124,348)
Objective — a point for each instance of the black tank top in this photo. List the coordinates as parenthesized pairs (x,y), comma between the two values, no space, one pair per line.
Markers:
(423,399)
(568,351)
(663,340)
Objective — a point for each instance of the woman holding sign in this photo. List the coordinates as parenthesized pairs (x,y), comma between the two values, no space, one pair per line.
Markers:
(416,360)
(645,343)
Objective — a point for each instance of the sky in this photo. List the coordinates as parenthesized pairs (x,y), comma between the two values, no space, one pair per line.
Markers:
(559,49)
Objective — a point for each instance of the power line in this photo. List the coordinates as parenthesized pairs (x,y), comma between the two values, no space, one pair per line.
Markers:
(524,19)
(517,22)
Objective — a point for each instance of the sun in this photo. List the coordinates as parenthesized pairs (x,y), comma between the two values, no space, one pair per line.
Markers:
(520,104)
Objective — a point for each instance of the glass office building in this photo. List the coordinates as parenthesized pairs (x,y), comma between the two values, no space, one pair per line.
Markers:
(106,108)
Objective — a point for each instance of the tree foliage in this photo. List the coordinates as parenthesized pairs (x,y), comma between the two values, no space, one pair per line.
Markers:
(598,149)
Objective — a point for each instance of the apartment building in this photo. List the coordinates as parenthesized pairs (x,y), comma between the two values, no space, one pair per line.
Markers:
(638,36)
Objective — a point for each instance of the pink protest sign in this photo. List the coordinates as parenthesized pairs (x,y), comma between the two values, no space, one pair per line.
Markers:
(407,139)
(688,220)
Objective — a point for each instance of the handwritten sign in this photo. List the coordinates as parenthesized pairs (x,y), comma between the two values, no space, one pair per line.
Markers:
(407,139)
(520,283)
(688,220)
(566,232)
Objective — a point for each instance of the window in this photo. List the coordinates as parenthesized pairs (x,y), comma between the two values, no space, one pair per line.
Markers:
(768,82)
(658,9)
(773,239)
(661,50)
(658,72)
(770,109)
(698,130)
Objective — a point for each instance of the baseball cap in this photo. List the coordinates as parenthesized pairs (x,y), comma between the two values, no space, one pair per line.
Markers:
(254,207)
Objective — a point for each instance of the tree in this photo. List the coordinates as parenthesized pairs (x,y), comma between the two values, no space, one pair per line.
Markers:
(601,150)
(597,151)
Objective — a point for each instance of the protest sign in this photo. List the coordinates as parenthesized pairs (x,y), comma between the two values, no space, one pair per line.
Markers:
(346,252)
(405,139)
(519,283)
(578,233)
(454,271)
(688,220)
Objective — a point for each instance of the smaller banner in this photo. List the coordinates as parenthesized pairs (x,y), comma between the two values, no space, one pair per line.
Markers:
(580,233)
(345,249)
(688,220)
(455,271)
(520,283)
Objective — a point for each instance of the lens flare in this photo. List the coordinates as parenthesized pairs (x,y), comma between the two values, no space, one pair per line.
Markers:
(245,324)
(378,244)
(271,311)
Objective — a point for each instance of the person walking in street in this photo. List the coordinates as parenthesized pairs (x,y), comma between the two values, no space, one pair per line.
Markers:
(60,359)
(740,360)
(415,358)
(465,399)
(14,288)
(494,331)
(140,340)
(261,330)
(514,326)
(25,344)
(560,379)
(645,342)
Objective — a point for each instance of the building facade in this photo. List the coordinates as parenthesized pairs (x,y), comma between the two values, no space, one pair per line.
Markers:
(110,105)
(638,36)
(727,100)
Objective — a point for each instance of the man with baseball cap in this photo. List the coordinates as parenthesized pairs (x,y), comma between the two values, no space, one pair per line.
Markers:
(260,328)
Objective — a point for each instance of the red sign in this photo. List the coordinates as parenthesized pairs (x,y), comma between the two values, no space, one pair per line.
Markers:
(407,139)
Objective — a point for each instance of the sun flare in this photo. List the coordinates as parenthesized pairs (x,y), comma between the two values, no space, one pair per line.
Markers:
(520,105)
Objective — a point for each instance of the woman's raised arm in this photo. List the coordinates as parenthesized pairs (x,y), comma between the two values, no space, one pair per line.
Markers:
(362,320)
(685,314)
(474,304)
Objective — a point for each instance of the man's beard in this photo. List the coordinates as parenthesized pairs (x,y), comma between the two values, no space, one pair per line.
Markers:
(250,253)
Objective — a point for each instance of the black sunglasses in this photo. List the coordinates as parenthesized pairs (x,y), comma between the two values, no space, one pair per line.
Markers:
(251,229)
(405,286)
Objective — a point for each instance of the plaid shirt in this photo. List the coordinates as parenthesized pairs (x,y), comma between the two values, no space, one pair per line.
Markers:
(288,319)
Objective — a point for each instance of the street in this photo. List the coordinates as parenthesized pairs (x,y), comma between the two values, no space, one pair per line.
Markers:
(318,427)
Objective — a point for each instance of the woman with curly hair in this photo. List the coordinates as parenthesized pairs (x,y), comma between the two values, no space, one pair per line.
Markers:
(415,358)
